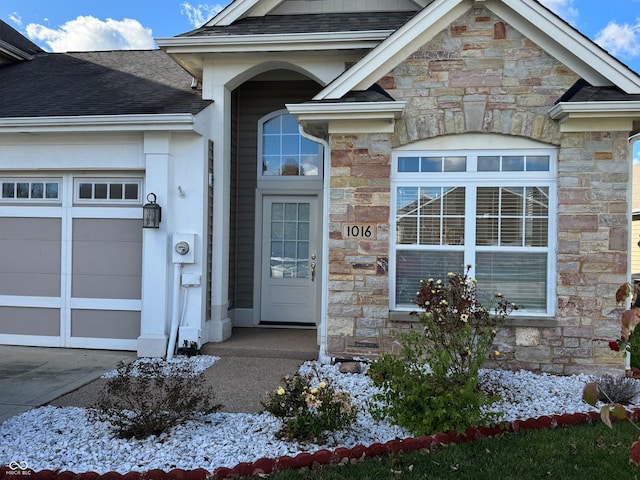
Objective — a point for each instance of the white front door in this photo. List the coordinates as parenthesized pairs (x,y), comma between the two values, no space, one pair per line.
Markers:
(290,260)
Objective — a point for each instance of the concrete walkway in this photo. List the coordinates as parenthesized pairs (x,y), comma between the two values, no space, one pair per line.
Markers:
(33,376)
(251,363)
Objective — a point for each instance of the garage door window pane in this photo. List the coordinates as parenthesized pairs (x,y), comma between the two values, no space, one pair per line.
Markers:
(131,191)
(8,190)
(101,191)
(23,190)
(37,190)
(86,190)
(115,191)
(52,191)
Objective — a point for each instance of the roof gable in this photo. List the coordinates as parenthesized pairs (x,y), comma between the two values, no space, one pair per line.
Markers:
(307,23)
(536,22)
(240,9)
(14,46)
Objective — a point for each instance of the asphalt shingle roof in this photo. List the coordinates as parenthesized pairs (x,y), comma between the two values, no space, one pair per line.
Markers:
(582,91)
(123,82)
(308,23)
(13,37)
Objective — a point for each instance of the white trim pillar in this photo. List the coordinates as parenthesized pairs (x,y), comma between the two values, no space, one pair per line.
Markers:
(220,324)
(156,277)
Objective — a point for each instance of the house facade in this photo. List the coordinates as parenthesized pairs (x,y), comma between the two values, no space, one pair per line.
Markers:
(330,156)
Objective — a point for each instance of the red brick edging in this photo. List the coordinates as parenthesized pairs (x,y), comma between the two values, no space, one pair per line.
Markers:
(323,457)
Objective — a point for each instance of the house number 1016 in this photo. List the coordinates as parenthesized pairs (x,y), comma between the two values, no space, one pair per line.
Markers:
(360,231)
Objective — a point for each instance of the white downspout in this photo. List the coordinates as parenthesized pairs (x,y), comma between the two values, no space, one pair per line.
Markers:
(323,357)
(175,314)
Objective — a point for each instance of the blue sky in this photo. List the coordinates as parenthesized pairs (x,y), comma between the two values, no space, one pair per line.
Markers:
(73,25)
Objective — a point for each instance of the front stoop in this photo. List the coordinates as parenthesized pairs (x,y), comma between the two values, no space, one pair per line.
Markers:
(300,344)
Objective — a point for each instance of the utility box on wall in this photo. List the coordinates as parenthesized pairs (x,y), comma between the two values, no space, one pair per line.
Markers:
(183,248)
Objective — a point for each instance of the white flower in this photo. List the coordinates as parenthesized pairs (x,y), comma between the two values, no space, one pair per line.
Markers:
(464,317)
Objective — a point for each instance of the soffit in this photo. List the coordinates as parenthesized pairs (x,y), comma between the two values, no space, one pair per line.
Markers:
(240,9)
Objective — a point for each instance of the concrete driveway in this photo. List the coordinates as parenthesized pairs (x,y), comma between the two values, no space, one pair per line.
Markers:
(33,376)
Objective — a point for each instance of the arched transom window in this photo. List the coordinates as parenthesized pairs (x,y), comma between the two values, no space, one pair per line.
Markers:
(284,152)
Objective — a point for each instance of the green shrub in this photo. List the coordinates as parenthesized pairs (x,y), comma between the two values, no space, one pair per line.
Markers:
(189,349)
(310,408)
(149,398)
(433,384)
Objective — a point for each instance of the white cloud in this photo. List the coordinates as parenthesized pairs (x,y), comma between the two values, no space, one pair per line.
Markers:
(16,18)
(620,40)
(87,33)
(200,14)
(563,8)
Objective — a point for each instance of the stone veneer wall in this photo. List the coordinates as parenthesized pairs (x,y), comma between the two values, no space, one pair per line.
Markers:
(482,76)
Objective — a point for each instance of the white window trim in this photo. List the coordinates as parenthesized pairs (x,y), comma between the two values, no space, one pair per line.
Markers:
(30,180)
(477,179)
(284,178)
(106,201)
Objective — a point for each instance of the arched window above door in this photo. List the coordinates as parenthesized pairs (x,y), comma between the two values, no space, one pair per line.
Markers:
(283,152)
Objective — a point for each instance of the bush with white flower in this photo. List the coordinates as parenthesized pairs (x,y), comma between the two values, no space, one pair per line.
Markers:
(310,408)
(433,384)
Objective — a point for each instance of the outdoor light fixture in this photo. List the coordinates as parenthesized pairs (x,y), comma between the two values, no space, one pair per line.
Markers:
(151,213)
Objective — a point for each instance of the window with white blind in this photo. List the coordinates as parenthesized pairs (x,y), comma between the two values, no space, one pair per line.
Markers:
(490,210)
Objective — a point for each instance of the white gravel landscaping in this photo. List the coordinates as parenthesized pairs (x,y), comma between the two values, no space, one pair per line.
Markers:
(62,439)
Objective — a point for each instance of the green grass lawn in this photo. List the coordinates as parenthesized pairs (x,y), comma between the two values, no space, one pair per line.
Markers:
(587,452)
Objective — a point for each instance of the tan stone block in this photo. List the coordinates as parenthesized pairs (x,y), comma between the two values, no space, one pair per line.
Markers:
(335,345)
(340,286)
(578,332)
(344,310)
(603,356)
(340,171)
(340,327)
(528,337)
(535,354)
(375,312)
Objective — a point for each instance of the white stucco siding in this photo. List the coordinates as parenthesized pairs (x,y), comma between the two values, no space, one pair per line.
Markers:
(74,151)
(171,165)
(187,214)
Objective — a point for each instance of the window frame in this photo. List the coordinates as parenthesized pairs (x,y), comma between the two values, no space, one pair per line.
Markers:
(31,200)
(471,179)
(77,181)
(286,178)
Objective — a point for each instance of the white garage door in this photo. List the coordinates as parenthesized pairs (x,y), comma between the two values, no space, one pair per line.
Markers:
(70,261)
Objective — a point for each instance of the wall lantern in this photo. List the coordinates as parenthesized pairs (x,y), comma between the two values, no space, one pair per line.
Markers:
(151,213)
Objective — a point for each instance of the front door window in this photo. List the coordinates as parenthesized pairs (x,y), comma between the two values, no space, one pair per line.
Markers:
(290,240)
